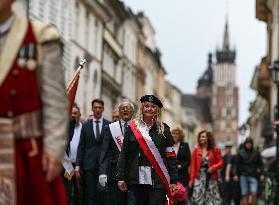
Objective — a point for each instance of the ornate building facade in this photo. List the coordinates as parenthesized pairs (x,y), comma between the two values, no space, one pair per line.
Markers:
(263,108)
(218,83)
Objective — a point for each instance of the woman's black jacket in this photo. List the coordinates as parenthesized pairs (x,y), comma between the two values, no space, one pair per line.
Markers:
(132,156)
(184,160)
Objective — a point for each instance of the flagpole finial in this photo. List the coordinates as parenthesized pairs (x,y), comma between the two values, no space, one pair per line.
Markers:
(82,62)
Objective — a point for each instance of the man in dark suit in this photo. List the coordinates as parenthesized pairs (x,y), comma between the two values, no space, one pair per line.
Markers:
(88,154)
(110,151)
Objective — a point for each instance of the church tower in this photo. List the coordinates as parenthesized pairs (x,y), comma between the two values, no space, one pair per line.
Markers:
(224,101)
(206,80)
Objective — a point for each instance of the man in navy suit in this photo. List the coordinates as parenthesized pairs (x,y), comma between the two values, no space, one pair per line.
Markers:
(88,154)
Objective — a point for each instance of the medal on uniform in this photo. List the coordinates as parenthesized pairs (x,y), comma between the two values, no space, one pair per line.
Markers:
(21,61)
(31,62)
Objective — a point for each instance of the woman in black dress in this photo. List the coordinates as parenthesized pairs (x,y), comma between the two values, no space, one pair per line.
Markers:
(183,155)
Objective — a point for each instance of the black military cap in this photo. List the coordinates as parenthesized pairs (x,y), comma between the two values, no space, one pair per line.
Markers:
(228,144)
(152,99)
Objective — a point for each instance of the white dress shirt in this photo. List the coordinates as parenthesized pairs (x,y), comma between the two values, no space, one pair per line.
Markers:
(145,171)
(122,122)
(100,125)
(176,147)
(74,143)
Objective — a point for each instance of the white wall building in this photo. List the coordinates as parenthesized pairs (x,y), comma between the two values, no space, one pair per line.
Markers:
(80,23)
(112,65)
(87,42)
(128,38)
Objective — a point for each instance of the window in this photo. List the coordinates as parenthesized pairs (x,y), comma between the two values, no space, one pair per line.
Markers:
(233,112)
(87,27)
(223,114)
(214,101)
(228,125)
(229,112)
(222,125)
(77,21)
(229,100)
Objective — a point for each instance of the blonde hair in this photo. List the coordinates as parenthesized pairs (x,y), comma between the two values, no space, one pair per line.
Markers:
(180,130)
(157,118)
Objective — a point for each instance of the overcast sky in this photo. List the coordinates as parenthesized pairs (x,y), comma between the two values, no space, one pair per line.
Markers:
(186,30)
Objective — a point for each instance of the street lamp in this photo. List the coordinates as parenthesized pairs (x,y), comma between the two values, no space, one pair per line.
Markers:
(274,69)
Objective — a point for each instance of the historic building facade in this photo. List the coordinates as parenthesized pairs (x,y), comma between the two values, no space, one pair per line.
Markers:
(154,70)
(87,42)
(218,83)
(81,25)
(173,111)
(123,59)
(112,64)
(263,108)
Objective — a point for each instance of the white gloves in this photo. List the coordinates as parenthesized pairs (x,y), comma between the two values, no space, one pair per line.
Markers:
(103,179)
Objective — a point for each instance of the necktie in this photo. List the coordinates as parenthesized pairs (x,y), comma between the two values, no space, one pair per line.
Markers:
(97,129)
(125,126)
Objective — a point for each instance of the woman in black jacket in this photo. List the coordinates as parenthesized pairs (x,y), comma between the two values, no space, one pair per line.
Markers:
(134,169)
(183,155)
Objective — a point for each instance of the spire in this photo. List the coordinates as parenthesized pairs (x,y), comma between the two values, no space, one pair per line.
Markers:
(226,55)
(226,43)
(209,61)
(206,79)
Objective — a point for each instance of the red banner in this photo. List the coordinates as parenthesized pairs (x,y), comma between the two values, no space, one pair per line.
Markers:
(72,89)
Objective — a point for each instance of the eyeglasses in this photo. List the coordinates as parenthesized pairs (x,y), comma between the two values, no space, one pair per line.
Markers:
(123,108)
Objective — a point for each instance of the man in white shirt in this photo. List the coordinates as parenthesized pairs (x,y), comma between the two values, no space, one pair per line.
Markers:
(71,185)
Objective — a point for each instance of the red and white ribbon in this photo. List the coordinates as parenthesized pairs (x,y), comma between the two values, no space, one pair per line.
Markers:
(116,134)
(152,153)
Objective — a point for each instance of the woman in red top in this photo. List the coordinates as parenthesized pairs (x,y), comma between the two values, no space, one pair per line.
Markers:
(205,163)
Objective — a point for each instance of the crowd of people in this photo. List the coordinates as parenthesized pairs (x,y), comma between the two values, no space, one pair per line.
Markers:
(111,170)
(122,174)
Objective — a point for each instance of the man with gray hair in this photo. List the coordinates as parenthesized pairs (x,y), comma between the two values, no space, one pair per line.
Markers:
(115,115)
(113,139)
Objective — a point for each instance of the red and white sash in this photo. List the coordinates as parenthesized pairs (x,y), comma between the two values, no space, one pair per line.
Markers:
(116,133)
(152,153)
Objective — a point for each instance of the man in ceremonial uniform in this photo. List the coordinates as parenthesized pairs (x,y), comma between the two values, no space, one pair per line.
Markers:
(33,111)
(88,155)
(111,148)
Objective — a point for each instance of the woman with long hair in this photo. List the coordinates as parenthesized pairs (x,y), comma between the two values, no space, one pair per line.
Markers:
(183,154)
(147,163)
(205,163)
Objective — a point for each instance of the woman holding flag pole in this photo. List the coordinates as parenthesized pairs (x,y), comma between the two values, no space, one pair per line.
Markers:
(147,163)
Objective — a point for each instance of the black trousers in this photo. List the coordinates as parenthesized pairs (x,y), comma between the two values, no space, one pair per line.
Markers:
(92,193)
(232,193)
(147,195)
(115,195)
(131,198)
(71,190)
